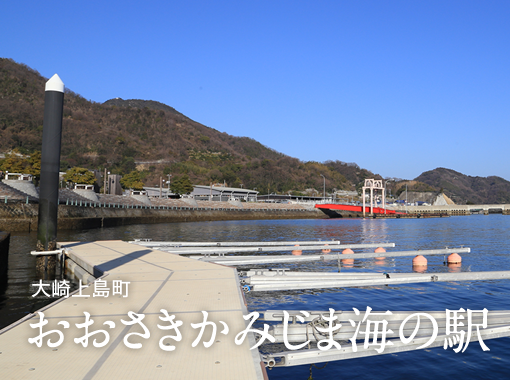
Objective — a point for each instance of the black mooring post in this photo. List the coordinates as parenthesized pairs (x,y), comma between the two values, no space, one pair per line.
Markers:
(50,166)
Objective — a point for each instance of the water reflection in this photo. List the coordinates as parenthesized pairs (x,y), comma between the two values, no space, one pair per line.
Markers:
(454,267)
(419,268)
(374,230)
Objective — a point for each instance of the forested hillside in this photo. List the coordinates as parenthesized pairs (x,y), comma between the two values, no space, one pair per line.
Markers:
(124,135)
(155,139)
(463,189)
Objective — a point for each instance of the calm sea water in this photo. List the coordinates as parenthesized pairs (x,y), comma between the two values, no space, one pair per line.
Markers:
(488,237)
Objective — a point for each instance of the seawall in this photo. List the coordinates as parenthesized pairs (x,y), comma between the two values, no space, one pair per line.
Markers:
(455,210)
(23,217)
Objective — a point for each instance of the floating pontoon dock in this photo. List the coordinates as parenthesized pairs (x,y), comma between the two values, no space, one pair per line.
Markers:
(163,283)
(158,280)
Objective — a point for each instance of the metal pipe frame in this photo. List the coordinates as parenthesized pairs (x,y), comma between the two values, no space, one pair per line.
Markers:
(249,260)
(201,250)
(424,252)
(302,332)
(46,253)
(285,272)
(219,250)
(271,259)
(300,284)
(300,357)
(343,315)
(230,243)
(319,277)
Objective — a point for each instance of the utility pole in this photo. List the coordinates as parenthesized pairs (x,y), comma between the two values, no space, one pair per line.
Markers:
(324,188)
(406,198)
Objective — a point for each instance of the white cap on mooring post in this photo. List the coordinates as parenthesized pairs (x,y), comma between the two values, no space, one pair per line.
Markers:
(54,84)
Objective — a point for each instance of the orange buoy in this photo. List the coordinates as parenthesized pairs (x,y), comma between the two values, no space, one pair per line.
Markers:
(348,263)
(454,258)
(380,250)
(419,260)
(326,250)
(297,252)
(419,264)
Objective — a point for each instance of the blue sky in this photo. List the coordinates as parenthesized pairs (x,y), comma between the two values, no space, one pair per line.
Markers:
(399,87)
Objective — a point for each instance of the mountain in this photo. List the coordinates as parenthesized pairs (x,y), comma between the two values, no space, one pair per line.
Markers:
(464,189)
(156,139)
(139,103)
(124,135)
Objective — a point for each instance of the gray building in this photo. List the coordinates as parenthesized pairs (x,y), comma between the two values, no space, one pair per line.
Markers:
(114,186)
(156,192)
(221,193)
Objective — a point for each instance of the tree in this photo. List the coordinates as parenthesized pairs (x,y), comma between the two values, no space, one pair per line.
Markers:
(80,175)
(15,162)
(132,181)
(35,164)
(125,166)
(181,185)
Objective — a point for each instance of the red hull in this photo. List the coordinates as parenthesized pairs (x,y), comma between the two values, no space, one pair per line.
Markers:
(377,210)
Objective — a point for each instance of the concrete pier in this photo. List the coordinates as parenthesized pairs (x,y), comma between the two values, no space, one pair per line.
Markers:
(157,281)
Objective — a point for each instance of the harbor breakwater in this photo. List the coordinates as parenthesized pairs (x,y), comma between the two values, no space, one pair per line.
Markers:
(23,217)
